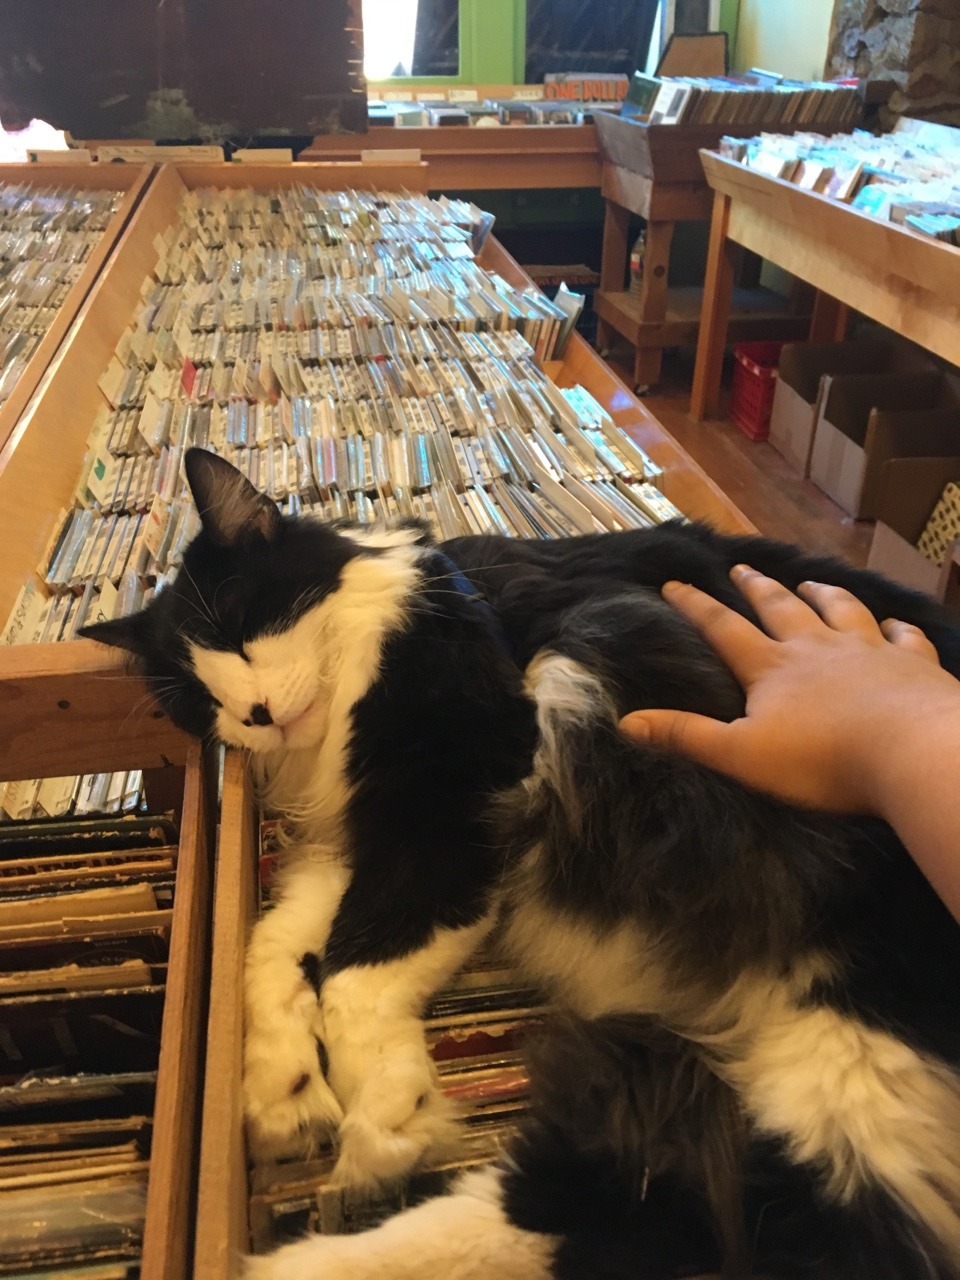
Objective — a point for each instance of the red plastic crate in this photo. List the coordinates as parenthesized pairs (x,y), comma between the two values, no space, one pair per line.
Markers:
(754,383)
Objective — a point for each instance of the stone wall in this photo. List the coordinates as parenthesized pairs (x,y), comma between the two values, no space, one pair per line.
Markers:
(914,43)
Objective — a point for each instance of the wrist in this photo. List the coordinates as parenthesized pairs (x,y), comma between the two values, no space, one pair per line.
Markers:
(905,754)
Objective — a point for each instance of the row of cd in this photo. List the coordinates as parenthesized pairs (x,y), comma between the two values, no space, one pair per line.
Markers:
(46,235)
(314,447)
(112,793)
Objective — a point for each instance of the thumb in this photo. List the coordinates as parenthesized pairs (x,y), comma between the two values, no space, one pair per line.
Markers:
(699,737)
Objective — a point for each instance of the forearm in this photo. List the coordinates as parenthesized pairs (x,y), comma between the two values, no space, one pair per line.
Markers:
(919,796)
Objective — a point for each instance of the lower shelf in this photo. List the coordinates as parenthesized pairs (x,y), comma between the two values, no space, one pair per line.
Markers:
(757,313)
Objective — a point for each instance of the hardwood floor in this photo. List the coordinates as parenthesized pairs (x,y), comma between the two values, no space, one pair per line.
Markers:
(753,475)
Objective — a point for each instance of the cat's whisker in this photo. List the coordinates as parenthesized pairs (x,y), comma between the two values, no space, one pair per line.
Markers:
(200,600)
(113,675)
(213,604)
(138,710)
(294,611)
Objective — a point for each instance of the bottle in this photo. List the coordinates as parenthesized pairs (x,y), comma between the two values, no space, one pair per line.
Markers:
(637,254)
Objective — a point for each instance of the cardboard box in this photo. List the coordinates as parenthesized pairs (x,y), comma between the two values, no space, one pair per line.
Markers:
(866,420)
(803,366)
(910,489)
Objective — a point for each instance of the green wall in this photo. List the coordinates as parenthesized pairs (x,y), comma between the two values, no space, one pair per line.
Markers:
(788,36)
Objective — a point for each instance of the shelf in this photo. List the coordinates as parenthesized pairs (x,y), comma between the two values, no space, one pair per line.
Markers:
(654,199)
(757,313)
(906,281)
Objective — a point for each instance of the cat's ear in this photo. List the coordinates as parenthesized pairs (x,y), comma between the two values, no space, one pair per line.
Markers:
(230,508)
(130,632)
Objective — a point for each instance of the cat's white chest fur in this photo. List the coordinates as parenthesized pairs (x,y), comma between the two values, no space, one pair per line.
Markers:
(342,642)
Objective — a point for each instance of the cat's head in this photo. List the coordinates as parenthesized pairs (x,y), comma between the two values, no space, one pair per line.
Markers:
(235,646)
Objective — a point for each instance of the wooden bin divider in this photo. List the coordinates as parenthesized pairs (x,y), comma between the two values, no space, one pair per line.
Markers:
(222,1207)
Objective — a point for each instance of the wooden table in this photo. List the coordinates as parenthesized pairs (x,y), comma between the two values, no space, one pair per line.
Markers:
(659,315)
(905,281)
(655,173)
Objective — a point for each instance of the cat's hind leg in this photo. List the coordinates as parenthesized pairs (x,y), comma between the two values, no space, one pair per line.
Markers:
(288,1103)
(466,1235)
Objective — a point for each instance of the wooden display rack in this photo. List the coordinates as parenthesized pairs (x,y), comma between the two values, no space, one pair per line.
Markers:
(465,158)
(132,182)
(901,279)
(654,171)
(72,712)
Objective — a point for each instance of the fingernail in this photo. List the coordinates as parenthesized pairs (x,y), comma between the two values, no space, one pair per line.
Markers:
(669,587)
(741,571)
(805,586)
(635,727)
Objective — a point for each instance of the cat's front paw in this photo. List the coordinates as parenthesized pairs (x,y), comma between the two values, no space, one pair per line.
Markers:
(316,1258)
(290,1108)
(397,1119)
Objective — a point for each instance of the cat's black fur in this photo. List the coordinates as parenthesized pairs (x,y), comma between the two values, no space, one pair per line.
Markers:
(728,877)
(430,746)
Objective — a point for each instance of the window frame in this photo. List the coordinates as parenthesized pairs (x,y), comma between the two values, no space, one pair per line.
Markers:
(493,39)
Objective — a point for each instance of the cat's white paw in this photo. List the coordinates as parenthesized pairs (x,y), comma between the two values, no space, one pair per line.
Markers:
(290,1107)
(316,1258)
(396,1120)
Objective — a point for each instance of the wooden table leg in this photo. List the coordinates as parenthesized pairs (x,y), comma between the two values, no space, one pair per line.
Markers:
(613,262)
(715,317)
(653,300)
(830,320)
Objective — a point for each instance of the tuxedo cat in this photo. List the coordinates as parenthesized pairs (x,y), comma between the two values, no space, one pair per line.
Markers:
(756,1063)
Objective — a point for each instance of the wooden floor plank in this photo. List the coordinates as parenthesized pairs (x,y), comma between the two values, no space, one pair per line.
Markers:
(753,475)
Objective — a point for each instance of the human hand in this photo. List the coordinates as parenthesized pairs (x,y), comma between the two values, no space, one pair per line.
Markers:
(835,702)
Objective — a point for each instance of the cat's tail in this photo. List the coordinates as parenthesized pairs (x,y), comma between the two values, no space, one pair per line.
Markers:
(632,1138)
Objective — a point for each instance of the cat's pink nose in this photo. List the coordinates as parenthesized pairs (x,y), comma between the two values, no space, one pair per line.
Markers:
(259,714)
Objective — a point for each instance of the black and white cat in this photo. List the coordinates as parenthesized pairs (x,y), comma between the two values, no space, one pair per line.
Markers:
(758,1067)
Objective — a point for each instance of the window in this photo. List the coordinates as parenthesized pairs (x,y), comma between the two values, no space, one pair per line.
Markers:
(604,35)
(411,38)
(523,40)
(693,17)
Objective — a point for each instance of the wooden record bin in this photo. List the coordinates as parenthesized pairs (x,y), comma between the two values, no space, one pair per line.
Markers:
(132,182)
(62,709)
(465,158)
